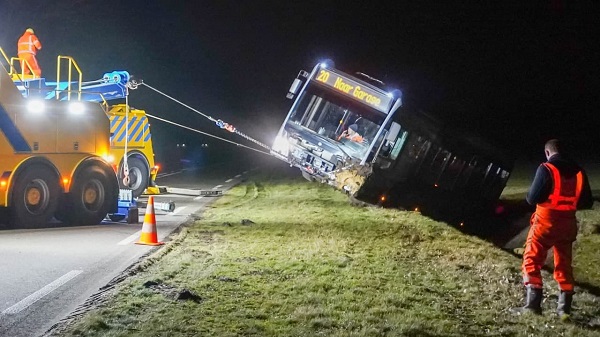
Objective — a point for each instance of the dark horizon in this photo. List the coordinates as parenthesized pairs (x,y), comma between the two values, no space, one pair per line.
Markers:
(514,74)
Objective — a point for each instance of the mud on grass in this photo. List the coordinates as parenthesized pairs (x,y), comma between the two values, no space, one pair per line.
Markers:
(311,264)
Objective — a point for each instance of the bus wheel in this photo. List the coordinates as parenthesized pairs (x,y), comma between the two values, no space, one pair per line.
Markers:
(34,197)
(138,176)
(88,201)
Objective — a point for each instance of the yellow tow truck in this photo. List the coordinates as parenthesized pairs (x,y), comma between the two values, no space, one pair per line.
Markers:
(53,156)
(132,157)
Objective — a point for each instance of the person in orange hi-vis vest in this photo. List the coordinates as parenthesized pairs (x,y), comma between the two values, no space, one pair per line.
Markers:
(352,134)
(27,48)
(559,188)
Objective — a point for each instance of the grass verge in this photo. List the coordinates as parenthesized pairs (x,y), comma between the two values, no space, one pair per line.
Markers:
(281,257)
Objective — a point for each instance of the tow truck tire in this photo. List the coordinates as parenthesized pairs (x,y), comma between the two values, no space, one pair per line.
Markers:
(34,197)
(88,201)
(139,176)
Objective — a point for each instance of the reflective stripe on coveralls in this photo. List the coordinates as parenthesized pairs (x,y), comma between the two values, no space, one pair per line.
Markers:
(553,225)
(28,43)
(27,48)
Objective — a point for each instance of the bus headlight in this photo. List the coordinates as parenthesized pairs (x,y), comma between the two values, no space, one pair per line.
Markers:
(281,145)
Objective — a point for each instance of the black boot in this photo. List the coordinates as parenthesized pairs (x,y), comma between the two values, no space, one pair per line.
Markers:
(565,300)
(533,302)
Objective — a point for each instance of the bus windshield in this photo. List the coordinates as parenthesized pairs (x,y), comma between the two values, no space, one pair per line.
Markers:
(351,126)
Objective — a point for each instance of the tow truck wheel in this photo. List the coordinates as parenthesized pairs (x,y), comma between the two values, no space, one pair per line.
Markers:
(89,199)
(34,197)
(138,176)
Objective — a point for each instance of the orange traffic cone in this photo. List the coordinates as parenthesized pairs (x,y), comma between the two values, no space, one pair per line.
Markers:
(149,236)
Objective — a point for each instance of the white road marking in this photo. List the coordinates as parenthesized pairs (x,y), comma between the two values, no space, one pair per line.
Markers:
(130,239)
(228,180)
(166,195)
(239,175)
(169,174)
(217,187)
(36,296)
(199,197)
(244,172)
(177,210)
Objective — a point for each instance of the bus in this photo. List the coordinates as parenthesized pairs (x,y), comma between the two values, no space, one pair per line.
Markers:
(348,131)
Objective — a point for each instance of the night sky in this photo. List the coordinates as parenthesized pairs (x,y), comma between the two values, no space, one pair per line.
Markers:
(515,74)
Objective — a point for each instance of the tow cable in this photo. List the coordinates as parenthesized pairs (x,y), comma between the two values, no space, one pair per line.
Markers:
(221,124)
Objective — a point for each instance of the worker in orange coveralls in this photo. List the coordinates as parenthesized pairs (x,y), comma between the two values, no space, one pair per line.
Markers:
(352,134)
(559,188)
(27,48)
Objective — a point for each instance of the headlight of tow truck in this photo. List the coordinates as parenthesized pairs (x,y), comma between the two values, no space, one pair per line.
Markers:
(76,108)
(36,106)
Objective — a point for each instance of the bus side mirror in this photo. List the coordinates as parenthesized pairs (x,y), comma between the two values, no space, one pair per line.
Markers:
(297,84)
(294,88)
(394,131)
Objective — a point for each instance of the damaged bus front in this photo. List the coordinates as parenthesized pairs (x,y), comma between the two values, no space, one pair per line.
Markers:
(350,133)
(335,126)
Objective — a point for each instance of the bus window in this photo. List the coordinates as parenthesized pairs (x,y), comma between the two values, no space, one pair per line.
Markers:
(451,173)
(434,164)
(408,161)
(425,167)
(398,144)
(488,180)
(301,114)
(494,182)
(477,177)
(419,148)
(464,176)
(439,163)
(500,183)
(390,149)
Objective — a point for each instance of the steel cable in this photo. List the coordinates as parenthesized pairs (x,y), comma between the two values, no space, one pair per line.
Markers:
(218,122)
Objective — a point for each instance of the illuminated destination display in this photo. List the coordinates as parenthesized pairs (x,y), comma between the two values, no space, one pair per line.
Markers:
(359,92)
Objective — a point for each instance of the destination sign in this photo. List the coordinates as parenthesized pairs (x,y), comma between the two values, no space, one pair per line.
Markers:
(357,91)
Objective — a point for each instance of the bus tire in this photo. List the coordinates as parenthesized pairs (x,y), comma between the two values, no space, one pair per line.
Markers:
(139,176)
(34,197)
(88,201)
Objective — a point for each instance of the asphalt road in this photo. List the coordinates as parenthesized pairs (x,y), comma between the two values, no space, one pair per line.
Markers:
(46,274)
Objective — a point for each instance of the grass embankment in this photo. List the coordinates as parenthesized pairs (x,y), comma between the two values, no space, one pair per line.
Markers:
(310,264)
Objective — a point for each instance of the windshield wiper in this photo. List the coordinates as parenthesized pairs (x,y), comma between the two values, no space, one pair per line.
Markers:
(340,148)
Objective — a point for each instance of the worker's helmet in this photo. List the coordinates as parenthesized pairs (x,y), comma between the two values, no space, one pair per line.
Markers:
(29,30)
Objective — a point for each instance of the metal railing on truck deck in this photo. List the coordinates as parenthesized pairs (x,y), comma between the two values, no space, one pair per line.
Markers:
(71,64)
(24,65)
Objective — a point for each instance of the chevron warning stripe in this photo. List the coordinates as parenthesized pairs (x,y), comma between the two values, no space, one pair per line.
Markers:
(139,129)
